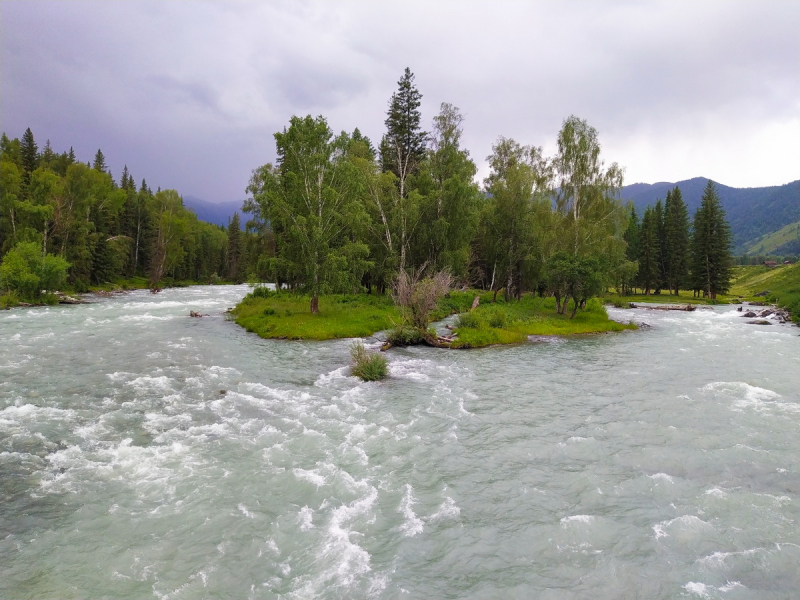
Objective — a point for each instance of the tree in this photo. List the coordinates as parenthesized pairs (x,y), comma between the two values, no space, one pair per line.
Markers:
(403,150)
(649,270)
(517,215)
(711,246)
(585,190)
(676,247)
(311,200)
(27,272)
(631,237)
(234,248)
(449,210)
(100,162)
(29,154)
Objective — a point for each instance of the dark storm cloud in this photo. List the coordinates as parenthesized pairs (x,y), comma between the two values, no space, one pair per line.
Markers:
(189,94)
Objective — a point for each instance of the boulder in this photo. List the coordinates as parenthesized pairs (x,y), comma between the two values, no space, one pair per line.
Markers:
(759,322)
(766,313)
(749,314)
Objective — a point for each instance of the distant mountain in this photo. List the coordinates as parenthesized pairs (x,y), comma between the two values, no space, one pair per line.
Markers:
(218,213)
(752,212)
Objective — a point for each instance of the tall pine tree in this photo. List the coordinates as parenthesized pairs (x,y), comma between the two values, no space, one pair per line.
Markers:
(711,246)
(29,153)
(676,241)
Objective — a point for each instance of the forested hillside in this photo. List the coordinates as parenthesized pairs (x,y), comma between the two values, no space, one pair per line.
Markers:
(752,212)
(65,222)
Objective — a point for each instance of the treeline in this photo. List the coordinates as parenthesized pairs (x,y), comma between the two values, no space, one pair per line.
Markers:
(670,254)
(53,206)
(335,213)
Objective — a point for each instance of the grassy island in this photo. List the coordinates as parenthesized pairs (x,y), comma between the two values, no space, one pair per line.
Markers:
(284,315)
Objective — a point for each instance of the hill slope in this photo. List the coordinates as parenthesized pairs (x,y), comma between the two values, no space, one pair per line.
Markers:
(784,241)
(752,212)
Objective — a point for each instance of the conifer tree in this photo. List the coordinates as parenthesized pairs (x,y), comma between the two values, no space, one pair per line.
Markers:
(234,248)
(711,246)
(100,162)
(658,217)
(403,146)
(648,251)
(402,151)
(631,237)
(676,234)
(29,153)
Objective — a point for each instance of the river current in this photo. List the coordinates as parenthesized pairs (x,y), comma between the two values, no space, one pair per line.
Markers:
(147,454)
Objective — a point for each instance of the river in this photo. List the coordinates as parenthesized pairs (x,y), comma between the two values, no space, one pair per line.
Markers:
(147,454)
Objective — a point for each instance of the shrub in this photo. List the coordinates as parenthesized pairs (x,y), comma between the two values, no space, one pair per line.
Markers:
(404,335)
(27,272)
(469,320)
(498,318)
(367,366)
(416,297)
(260,291)
(268,312)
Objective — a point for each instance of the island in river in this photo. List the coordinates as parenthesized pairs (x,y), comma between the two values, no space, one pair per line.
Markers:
(283,315)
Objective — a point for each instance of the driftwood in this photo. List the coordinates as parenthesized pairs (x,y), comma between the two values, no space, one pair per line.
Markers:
(687,308)
(435,341)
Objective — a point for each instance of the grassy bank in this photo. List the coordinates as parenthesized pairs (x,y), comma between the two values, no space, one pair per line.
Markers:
(513,322)
(781,284)
(287,316)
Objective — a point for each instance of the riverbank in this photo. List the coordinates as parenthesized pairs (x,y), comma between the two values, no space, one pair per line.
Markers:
(72,296)
(286,316)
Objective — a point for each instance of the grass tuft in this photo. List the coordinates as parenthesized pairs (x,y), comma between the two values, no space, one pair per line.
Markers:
(367,366)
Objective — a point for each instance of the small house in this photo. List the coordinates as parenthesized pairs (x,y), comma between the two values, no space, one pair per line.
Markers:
(770,263)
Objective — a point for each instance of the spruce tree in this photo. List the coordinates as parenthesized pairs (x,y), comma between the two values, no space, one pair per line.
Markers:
(100,162)
(631,237)
(658,217)
(649,272)
(711,246)
(676,232)
(403,146)
(234,249)
(29,153)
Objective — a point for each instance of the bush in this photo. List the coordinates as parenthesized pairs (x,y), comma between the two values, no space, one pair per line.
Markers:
(469,320)
(498,318)
(27,272)
(260,291)
(268,312)
(367,366)
(405,335)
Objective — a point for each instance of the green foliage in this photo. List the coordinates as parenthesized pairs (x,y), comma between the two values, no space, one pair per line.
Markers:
(405,335)
(284,315)
(711,246)
(529,316)
(27,273)
(367,366)
(782,284)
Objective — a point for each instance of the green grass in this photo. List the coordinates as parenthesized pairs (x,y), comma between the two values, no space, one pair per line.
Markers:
(782,283)
(513,322)
(368,366)
(284,315)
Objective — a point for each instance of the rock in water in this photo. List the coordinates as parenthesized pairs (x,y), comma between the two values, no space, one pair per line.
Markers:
(759,322)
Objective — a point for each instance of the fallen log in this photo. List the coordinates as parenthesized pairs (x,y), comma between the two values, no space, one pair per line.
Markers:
(687,308)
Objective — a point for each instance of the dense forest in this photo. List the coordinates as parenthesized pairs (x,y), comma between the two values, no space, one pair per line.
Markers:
(68,223)
(335,213)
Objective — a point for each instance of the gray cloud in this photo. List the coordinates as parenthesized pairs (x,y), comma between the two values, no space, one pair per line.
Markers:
(189,94)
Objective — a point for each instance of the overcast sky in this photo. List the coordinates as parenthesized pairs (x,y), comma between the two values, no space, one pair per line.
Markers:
(188,94)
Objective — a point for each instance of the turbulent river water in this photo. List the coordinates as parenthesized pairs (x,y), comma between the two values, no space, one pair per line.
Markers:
(146,454)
